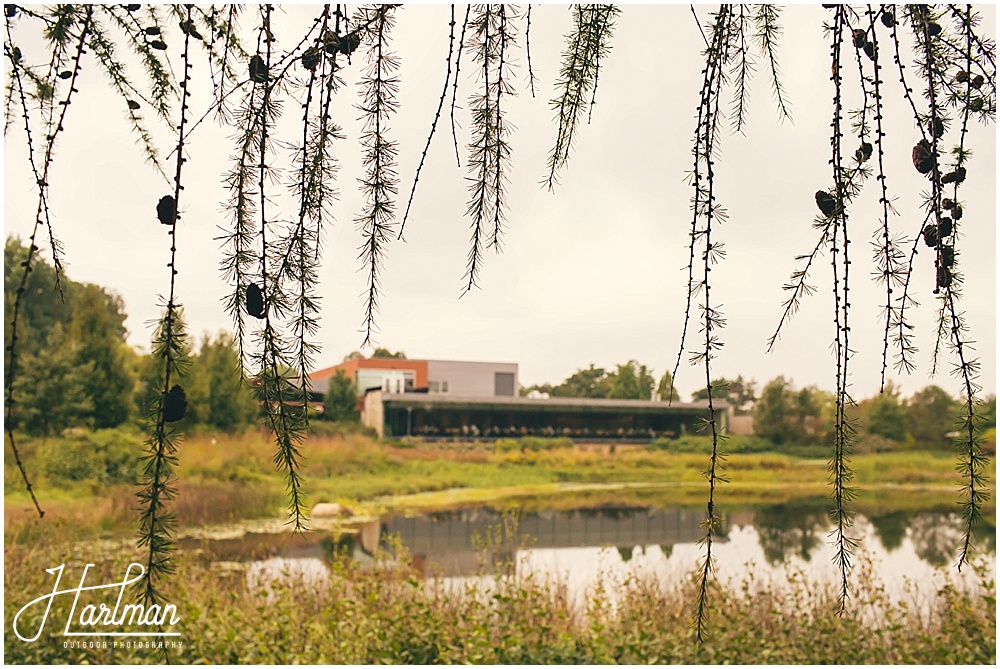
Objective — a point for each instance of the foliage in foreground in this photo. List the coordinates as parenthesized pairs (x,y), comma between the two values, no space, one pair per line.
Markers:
(366,617)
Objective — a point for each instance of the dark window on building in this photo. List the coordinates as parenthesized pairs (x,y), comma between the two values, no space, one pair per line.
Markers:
(503,384)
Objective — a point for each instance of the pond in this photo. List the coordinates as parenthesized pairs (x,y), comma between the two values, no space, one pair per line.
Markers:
(585,547)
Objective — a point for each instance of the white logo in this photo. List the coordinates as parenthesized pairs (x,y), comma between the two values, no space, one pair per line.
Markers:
(101,620)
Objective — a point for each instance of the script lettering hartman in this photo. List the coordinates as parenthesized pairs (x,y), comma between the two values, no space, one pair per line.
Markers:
(92,616)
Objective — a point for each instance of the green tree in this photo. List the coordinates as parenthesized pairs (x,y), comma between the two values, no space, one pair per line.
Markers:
(773,413)
(666,388)
(41,307)
(589,382)
(545,388)
(98,324)
(931,414)
(386,353)
(785,415)
(52,388)
(218,396)
(341,400)
(630,381)
(884,415)
(740,394)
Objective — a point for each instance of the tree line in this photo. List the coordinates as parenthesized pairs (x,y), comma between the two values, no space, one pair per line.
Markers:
(628,381)
(786,415)
(77,369)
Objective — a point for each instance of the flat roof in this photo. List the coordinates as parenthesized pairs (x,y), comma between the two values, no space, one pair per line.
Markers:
(553,403)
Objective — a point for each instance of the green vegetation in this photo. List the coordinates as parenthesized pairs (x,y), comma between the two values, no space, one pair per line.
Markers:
(389,615)
(87,477)
(628,381)
(340,403)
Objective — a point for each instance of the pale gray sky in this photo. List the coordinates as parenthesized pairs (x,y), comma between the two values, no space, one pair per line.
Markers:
(593,273)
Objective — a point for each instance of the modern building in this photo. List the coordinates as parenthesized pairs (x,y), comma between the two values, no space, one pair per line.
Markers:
(436,377)
(464,417)
(390,374)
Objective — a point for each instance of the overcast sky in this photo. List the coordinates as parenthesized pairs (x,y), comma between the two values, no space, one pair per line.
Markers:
(592,273)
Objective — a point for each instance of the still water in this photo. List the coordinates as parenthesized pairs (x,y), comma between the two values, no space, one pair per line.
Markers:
(584,548)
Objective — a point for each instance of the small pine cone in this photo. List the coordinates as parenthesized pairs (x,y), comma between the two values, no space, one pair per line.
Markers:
(255,301)
(310,58)
(947,203)
(331,42)
(133,8)
(933,29)
(174,405)
(166,210)
(930,235)
(349,43)
(923,157)
(962,76)
(948,256)
(188,28)
(888,20)
(158,45)
(859,38)
(132,104)
(869,50)
(864,152)
(258,70)
(977,104)
(956,212)
(826,203)
(958,176)
(977,81)
(65,74)
(152,30)
(945,228)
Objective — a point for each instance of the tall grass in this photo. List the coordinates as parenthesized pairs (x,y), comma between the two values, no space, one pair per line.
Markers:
(378,616)
(85,481)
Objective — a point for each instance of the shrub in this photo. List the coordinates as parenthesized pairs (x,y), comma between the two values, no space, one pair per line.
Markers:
(107,456)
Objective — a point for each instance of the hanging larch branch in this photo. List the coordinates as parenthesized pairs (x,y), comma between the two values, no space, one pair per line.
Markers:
(840,472)
(768,33)
(946,69)
(454,85)
(437,116)
(588,41)
(725,45)
(491,38)
(60,33)
(157,521)
(890,268)
(381,182)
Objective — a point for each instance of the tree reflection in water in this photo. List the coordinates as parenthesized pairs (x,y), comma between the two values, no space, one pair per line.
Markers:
(890,528)
(786,528)
(936,536)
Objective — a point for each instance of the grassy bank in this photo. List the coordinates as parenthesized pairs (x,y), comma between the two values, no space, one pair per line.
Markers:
(83,480)
(367,617)
(390,616)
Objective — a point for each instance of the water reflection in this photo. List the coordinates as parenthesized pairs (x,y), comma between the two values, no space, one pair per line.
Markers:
(579,546)
(793,528)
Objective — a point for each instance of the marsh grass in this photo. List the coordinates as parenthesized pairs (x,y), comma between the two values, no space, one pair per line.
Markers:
(389,615)
(229,477)
(384,615)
